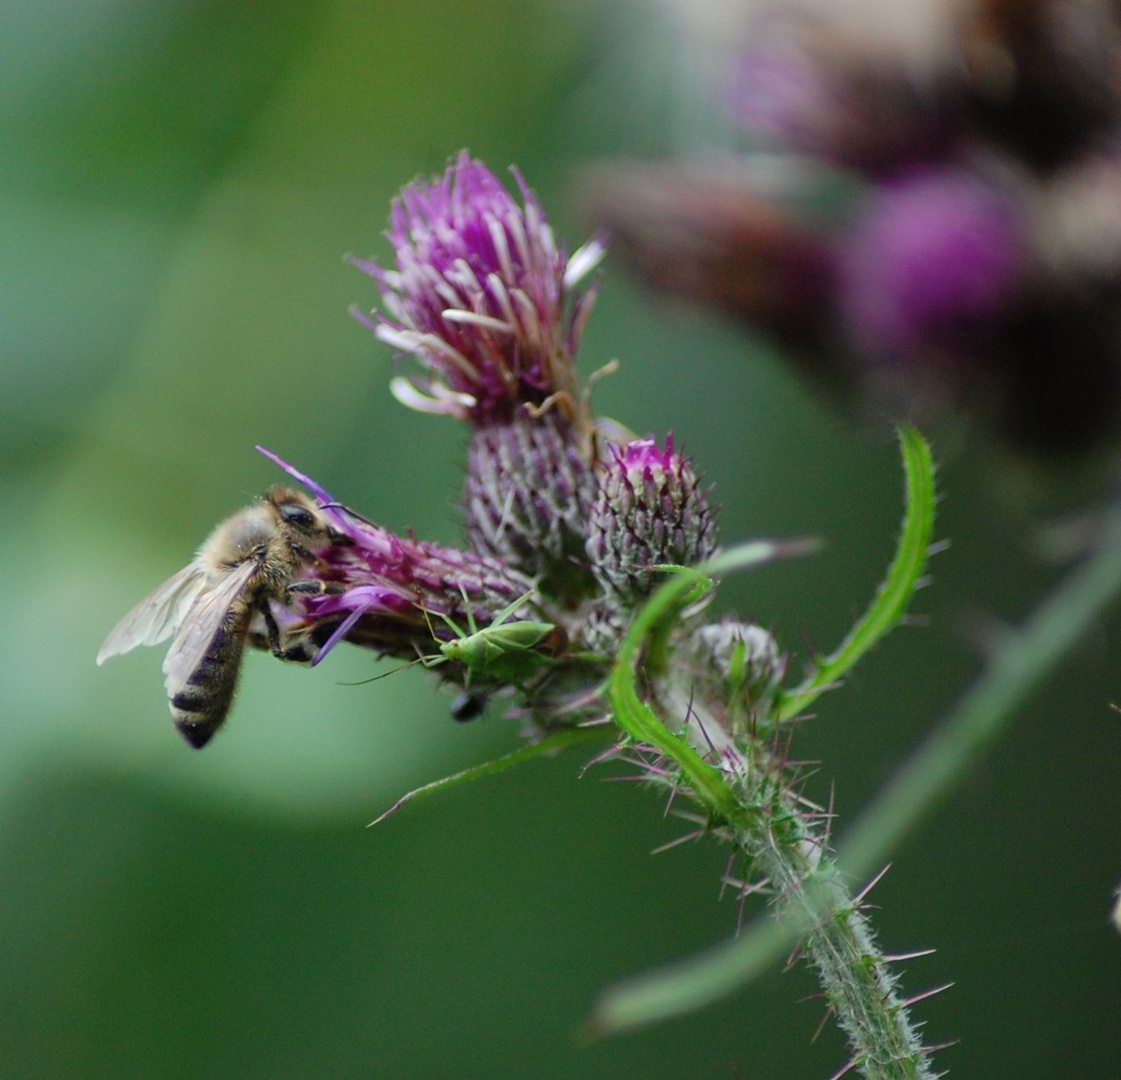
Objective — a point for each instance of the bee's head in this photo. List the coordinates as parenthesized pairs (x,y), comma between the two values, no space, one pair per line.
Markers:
(296,511)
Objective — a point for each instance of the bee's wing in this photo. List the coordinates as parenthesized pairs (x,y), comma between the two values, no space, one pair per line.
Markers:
(158,615)
(201,624)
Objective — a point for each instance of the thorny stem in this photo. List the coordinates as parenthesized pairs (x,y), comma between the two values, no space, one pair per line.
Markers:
(1025,657)
(787,847)
(735,767)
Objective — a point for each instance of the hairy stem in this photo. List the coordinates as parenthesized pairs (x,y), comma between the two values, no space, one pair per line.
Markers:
(685,700)
(784,843)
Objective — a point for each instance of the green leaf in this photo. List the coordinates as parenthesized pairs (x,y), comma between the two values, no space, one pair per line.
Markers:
(691,983)
(551,744)
(1023,658)
(685,587)
(904,576)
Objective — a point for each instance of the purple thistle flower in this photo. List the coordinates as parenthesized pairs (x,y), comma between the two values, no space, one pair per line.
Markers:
(481,298)
(397,588)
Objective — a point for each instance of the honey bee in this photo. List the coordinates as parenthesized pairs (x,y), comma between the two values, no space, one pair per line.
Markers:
(249,561)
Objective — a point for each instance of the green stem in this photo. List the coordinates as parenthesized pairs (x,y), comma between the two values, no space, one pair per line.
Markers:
(786,849)
(858,983)
(1022,660)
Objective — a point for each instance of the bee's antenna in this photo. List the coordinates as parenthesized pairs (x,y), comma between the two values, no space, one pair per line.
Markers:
(347,510)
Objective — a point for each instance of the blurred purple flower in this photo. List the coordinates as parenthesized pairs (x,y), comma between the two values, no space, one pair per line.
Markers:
(933,253)
(855,111)
(712,231)
(943,230)
(781,95)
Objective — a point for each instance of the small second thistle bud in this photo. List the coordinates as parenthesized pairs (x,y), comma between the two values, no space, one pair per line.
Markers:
(740,661)
(651,510)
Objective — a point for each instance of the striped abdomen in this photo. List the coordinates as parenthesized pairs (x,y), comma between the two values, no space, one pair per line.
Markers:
(200,707)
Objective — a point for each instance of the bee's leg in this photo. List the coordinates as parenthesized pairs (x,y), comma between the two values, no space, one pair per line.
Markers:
(273,631)
(311,588)
(306,645)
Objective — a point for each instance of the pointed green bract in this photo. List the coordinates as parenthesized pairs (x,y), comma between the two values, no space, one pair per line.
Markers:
(638,720)
(645,639)
(551,744)
(903,577)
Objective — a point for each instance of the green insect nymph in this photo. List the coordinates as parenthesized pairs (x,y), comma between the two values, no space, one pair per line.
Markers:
(500,652)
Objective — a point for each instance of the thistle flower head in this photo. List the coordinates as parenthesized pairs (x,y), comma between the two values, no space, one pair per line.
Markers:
(481,298)
(393,592)
(651,510)
(399,592)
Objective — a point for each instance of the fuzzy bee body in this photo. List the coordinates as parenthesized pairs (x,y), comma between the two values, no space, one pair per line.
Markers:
(249,561)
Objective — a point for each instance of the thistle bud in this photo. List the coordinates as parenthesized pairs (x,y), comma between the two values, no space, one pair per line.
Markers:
(650,510)
(741,659)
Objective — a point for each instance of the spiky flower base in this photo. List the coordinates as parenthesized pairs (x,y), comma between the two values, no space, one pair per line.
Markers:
(527,498)
(650,511)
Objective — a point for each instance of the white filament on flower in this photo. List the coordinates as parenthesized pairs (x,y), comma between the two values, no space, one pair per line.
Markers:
(583,261)
(440,400)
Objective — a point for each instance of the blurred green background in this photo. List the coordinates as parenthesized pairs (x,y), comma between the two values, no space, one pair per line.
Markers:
(178,185)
